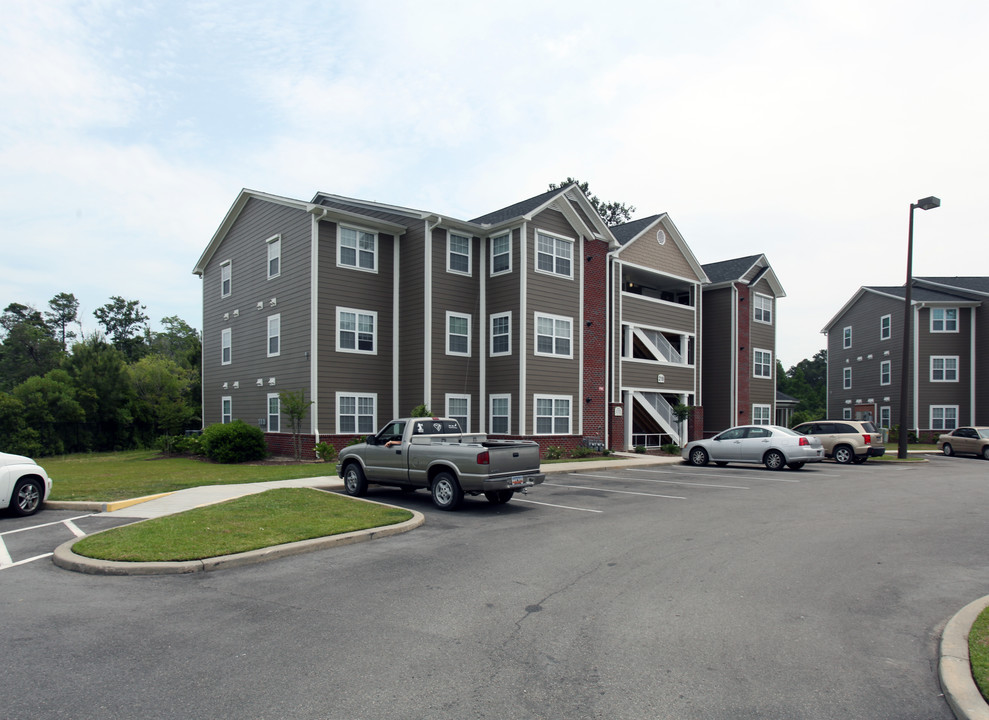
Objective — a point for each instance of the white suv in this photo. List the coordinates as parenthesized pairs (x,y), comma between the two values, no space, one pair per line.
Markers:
(24,485)
(846,441)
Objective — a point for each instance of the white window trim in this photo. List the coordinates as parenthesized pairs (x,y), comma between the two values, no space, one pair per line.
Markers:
(846,378)
(573,247)
(535,335)
(226,267)
(357,257)
(449,254)
(889,416)
(889,328)
(944,319)
(269,414)
(930,416)
(554,398)
(457,396)
(225,418)
(887,366)
(756,365)
(374,333)
(769,413)
(846,337)
(944,369)
(274,244)
(491,338)
(846,413)
(756,306)
(449,316)
(226,343)
(495,273)
(275,319)
(508,412)
(357,405)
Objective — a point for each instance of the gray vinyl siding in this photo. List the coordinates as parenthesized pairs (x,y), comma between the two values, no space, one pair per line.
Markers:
(358,373)
(762,391)
(719,344)
(503,295)
(411,342)
(930,344)
(982,363)
(644,376)
(641,311)
(245,246)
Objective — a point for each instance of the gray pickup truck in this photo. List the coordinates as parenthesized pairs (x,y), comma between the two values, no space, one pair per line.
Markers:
(433,453)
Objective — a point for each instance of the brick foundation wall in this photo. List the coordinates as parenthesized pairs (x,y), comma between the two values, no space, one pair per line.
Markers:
(595,347)
(616,434)
(695,424)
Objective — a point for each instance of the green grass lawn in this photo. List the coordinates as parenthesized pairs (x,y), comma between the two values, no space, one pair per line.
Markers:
(136,473)
(247,523)
(978,652)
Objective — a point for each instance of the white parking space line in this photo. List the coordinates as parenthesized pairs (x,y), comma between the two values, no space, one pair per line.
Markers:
(5,559)
(750,475)
(563,507)
(73,528)
(35,527)
(667,482)
(28,560)
(620,492)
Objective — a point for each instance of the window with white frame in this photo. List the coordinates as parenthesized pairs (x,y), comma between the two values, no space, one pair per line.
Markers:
(274,256)
(554,255)
(357,331)
(554,335)
(501,254)
(846,413)
(885,415)
(846,337)
(457,334)
(226,409)
(501,334)
(274,335)
(226,279)
(552,414)
(458,254)
(762,363)
(885,372)
(885,327)
(274,413)
(944,417)
(226,349)
(763,309)
(356,413)
(846,378)
(501,409)
(944,320)
(944,368)
(762,415)
(458,408)
(357,248)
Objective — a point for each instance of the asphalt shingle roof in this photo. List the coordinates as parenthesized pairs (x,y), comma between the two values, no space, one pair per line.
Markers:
(627,231)
(726,270)
(517,210)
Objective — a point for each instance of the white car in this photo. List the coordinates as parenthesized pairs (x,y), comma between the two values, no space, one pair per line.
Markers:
(24,485)
(771,445)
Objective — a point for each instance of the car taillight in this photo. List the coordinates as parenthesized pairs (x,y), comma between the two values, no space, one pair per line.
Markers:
(868,439)
(483,458)
(804,441)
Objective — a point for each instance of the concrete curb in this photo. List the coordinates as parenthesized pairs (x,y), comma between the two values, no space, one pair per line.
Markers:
(63,556)
(955,666)
(109,506)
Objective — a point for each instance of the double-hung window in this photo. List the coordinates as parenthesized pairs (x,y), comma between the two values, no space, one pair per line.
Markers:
(846,378)
(457,334)
(274,256)
(885,372)
(885,416)
(458,254)
(274,335)
(554,255)
(501,334)
(501,254)
(552,414)
(763,309)
(944,417)
(554,335)
(761,415)
(274,413)
(226,350)
(944,368)
(226,279)
(357,331)
(226,410)
(357,249)
(885,327)
(501,408)
(356,413)
(458,408)
(762,363)
(846,337)
(944,320)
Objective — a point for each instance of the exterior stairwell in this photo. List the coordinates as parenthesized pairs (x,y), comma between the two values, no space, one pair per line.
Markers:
(660,411)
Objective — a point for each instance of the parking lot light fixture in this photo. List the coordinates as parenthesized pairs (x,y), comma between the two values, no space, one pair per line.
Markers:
(926,203)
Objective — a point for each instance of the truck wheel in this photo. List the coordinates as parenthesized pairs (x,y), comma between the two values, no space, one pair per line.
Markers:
(447,494)
(354,481)
(499,497)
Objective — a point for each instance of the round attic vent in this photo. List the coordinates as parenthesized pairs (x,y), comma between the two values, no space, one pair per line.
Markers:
(661,237)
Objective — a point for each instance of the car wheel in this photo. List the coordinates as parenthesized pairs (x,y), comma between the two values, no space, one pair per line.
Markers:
(774,460)
(499,497)
(354,481)
(698,456)
(447,494)
(985,453)
(843,454)
(27,497)
(947,450)
(795,465)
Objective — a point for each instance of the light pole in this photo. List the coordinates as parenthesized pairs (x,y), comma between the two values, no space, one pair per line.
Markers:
(924,204)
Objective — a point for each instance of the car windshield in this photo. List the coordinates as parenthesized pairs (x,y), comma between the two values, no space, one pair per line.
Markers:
(869,427)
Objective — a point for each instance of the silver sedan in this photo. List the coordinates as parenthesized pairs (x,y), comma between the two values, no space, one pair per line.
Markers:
(771,445)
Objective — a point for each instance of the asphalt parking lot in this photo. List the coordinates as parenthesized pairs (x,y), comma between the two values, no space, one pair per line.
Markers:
(660,592)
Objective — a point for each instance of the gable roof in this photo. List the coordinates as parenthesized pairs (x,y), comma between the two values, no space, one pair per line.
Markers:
(978,285)
(627,233)
(919,295)
(749,269)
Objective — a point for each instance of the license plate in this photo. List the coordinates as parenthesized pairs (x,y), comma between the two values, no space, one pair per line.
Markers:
(517,479)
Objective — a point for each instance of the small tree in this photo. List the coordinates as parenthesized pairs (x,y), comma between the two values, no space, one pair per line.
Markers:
(295,405)
(421,411)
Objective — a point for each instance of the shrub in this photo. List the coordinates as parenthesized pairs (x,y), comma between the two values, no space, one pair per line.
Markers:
(553,453)
(234,442)
(671,449)
(325,451)
(357,440)
(421,411)
(641,449)
(582,452)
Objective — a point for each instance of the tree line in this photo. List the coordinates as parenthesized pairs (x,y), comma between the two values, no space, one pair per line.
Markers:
(120,387)
(807,381)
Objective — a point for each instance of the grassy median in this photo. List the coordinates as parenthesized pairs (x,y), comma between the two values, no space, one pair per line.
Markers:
(247,523)
(978,652)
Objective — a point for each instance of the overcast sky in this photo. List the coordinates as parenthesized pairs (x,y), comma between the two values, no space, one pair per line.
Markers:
(800,129)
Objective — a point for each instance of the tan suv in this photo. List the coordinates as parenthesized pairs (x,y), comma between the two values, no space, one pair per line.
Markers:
(846,441)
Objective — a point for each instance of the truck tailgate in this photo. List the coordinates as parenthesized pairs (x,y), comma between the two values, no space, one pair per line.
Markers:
(513,458)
